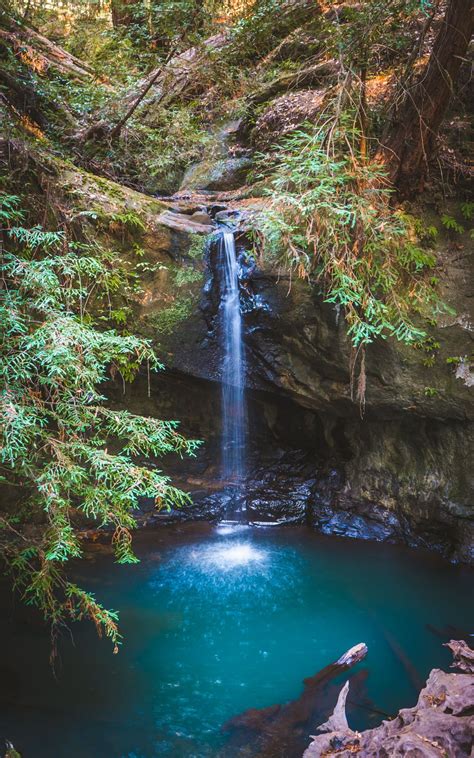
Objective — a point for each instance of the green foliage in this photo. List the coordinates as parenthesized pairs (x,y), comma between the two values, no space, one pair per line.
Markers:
(188,275)
(168,319)
(156,150)
(467,210)
(329,218)
(197,248)
(262,25)
(69,453)
(451,224)
(371,30)
(129,221)
(167,20)
(111,52)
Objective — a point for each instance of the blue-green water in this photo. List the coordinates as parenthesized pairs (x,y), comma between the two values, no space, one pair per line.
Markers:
(217,621)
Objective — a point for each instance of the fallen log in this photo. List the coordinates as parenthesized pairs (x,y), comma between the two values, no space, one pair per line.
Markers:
(39,53)
(282,729)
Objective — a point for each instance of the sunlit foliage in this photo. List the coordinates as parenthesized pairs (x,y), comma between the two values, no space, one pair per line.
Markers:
(66,456)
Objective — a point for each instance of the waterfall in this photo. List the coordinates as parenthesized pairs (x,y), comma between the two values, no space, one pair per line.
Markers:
(233,400)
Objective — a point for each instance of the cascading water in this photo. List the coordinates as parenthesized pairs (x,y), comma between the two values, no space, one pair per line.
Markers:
(233,398)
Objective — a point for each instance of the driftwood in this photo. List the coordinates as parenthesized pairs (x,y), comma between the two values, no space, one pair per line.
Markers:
(410,669)
(441,723)
(463,656)
(283,729)
(338,719)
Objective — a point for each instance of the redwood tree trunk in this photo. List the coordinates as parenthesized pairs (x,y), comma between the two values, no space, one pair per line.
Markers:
(123,12)
(411,134)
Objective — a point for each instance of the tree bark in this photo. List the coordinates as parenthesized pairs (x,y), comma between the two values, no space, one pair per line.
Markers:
(35,50)
(410,138)
(123,12)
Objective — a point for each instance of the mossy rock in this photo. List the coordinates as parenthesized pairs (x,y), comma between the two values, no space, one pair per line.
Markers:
(221,175)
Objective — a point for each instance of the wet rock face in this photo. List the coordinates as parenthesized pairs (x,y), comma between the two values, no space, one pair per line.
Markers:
(221,175)
(402,481)
(399,481)
(440,724)
(400,474)
(299,346)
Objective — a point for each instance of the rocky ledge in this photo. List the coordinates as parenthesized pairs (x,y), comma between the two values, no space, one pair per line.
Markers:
(440,725)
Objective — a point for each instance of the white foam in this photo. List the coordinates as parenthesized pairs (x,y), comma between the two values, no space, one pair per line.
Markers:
(228,528)
(227,556)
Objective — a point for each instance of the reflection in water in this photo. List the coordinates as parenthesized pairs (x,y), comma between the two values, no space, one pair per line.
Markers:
(225,529)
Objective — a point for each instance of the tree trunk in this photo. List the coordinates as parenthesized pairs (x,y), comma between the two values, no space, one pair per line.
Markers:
(38,52)
(123,12)
(410,138)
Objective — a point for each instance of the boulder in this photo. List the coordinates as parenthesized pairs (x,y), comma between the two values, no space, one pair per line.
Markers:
(220,175)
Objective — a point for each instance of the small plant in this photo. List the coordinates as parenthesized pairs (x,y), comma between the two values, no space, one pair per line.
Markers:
(467,210)
(451,224)
(128,220)
(330,220)
(197,247)
(166,320)
(188,275)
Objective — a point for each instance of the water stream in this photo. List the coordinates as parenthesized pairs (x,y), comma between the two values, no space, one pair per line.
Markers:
(233,398)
